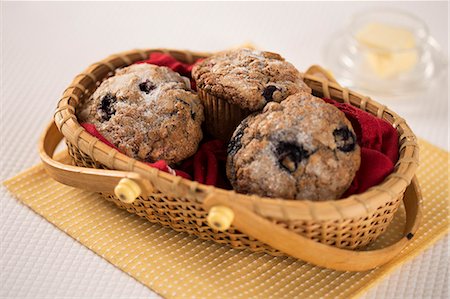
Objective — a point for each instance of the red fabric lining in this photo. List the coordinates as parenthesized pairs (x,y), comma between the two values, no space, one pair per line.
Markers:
(379,147)
(377,138)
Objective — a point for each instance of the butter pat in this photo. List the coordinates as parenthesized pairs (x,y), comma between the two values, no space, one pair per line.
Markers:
(390,50)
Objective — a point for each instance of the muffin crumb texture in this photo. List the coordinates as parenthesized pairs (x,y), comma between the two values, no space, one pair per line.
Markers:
(301,148)
(148,112)
(248,78)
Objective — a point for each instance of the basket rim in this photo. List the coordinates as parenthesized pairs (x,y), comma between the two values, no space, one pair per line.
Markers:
(356,205)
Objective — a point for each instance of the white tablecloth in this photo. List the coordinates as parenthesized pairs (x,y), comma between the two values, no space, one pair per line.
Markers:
(44,45)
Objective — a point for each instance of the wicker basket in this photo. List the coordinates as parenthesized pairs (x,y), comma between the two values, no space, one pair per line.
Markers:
(324,233)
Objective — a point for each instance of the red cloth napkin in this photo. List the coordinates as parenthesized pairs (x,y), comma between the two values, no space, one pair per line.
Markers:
(379,147)
(377,138)
(208,164)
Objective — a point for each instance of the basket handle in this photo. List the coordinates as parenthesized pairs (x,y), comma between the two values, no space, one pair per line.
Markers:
(224,212)
(126,185)
(314,252)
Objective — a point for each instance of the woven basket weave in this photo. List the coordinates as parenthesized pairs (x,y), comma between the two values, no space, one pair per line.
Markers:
(181,204)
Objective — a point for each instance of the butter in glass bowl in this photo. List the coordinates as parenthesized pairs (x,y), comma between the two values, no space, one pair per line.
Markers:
(384,52)
(391,50)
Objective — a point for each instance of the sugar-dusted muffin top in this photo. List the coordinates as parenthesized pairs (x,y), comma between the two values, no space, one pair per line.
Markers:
(148,112)
(301,148)
(248,78)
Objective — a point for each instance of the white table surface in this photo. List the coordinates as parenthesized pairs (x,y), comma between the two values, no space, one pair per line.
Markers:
(44,45)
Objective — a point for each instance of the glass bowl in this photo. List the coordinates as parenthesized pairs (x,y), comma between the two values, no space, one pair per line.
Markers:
(385,52)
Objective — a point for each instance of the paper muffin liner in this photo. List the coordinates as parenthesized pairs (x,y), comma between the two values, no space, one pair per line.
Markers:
(221,117)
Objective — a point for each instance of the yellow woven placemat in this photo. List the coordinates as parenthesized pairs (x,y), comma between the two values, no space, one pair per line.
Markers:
(177,265)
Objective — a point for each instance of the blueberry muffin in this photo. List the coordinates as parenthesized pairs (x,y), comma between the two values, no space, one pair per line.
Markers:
(301,148)
(148,112)
(234,83)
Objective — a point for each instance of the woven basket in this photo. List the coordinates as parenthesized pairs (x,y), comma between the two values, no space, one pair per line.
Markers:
(324,233)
